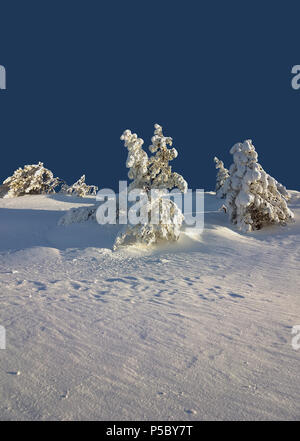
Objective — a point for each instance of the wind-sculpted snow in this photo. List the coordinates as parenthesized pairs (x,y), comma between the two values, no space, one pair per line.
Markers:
(196,329)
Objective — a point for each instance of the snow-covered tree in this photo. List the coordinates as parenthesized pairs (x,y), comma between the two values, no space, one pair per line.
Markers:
(79,188)
(149,174)
(222,175)
(253,198)
(32,179)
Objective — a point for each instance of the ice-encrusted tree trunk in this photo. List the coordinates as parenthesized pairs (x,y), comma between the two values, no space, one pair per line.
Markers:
(253,198)
(149,174)
(79,188)
(32,179)
(222,176)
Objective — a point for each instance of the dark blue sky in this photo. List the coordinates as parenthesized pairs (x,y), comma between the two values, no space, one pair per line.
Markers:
(211,73)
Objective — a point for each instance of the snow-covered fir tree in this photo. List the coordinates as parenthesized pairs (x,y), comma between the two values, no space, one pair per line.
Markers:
(222,176)
(32,179)
(149,174)
(253,198)
(79,188)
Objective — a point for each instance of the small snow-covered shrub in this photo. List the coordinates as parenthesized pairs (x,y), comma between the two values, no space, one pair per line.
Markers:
(253,198)
(222,176)
(79,214)
(79,188)
(32,179)
(148,174)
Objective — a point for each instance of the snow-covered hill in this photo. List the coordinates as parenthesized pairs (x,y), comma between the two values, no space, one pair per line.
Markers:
(200,329)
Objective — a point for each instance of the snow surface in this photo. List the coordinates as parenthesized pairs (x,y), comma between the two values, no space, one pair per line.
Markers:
(199,329)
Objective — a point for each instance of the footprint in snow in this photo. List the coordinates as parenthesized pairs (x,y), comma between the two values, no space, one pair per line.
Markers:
(236,295)
(190,411)
(65,395)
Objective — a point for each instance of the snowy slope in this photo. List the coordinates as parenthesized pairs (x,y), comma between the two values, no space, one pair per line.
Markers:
(196,330)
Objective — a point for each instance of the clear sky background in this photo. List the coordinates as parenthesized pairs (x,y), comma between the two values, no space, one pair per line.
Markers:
(211,73)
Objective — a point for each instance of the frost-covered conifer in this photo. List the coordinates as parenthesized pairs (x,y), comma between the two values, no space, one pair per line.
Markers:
(222,175)
(253,198)
(32,179)
(149,174)
(137,161)
(79,188)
